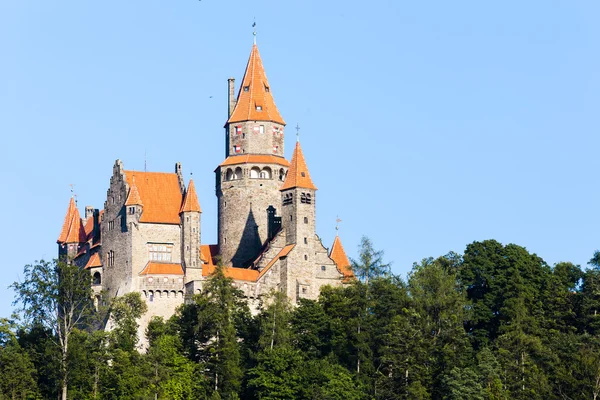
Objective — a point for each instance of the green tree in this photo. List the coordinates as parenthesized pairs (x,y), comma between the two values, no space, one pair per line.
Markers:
(58,296)
(125,311)
(16,368)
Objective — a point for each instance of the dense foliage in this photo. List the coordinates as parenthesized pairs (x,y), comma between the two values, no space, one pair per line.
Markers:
(493,323)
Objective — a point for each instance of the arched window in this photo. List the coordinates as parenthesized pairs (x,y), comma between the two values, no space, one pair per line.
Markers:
(254,173)
(97,279)
(281,174)
(238,173)
(229,174)
(265,173)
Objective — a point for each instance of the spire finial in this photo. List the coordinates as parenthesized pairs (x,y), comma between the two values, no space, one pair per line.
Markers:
(337,224)
(298,132)
(72,190)
(254,31)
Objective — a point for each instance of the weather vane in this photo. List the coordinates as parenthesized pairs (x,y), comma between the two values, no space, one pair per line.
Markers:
(337,223)
(297,132)
(254,32)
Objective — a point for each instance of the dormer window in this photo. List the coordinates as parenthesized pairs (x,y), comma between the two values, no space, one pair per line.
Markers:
(267,89)
(303,174)
(246,88)
(258,108)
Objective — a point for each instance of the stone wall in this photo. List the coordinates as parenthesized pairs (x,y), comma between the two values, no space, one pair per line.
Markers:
(242,208)
(255,137)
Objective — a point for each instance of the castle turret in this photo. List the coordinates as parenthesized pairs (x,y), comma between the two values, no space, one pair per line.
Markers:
(298,202)
(72,234)
(248,181)
(190,233)
(133,204)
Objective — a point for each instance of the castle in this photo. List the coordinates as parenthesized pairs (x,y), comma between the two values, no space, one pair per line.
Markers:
(147,237)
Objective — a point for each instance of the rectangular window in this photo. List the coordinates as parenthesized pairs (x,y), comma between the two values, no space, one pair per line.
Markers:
(160,252)
(111,258)
(261,129)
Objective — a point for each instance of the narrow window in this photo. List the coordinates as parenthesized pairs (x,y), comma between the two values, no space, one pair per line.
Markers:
(306,220)
(305,257)
(261,129)
(305,240)
(323,268)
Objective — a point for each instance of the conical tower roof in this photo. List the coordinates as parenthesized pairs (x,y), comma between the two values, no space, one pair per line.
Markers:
(255,101)
(298,175)
(190,201)
(338,255)
(72,229)
(133,198)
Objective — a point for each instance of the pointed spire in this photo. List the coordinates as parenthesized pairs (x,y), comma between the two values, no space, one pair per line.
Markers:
(338,255)
(72,229)
(298,175)
(255,101)
(190,201)
(133,198)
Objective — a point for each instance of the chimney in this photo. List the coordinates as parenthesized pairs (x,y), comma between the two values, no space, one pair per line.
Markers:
(231,96)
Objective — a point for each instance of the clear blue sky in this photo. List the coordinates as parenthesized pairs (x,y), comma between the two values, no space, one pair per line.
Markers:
(425,125)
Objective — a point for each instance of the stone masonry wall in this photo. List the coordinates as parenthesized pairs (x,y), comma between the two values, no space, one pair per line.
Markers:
(242,208)
(255,137)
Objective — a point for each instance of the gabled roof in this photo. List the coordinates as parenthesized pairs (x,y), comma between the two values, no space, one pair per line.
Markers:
(338,255)
(94,261)
(298,175)
(255,101)
(133,198)
(160,194)
(190,201)
(72,230)
(156,268)
(254,158)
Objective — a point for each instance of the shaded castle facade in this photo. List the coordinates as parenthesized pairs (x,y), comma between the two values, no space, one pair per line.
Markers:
(147,237)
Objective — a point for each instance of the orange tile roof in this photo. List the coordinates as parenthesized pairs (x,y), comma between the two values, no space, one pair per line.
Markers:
(89,228)
(255,101)
(208,252)
(298,175)
(133,198)
(283,253)
(160,193)
(251,158)
(72,230)
(94,261)
(338,255)
(155,268)
(190,201)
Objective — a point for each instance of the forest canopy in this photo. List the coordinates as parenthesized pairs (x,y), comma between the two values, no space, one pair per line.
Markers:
(495,322)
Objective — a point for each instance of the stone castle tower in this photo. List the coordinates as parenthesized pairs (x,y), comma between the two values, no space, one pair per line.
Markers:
(147,237)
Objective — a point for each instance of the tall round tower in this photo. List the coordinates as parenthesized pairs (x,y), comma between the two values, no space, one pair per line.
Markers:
(249,179)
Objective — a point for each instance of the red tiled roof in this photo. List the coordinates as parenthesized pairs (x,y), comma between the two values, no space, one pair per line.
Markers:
(94,261)
(252,158)
(160,194)
(298,175)
(133,198)
(72,230)
(190,201)
(283,253)
(255,101)
(155,268)
(338,255)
